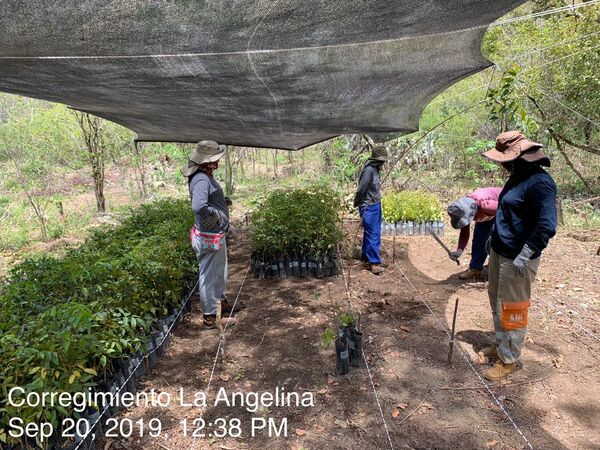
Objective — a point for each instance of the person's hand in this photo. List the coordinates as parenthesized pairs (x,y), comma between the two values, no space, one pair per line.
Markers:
(455,255)
(212,220)
(522,260)
(488,245)
(228,201)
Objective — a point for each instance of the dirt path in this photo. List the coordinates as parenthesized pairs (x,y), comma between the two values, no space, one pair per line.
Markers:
(276,343)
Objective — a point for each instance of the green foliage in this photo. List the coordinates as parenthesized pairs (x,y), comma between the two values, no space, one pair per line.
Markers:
(344,320)
(479,171)
(505,106)
(64,321)
(327,337)
(559,83)
(297,221)
(342,164)
(347,319)
(416,206)
(584,216)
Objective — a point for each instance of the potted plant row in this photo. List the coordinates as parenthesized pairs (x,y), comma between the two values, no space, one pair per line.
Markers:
(84,320)
(411,213)
(295,233)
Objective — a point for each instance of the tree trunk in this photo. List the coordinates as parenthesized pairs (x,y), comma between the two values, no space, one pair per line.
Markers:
(37,209)
(91,130)
(560,212)
(240,164)
(33,200)
(140,166)
(562,151)
(292,170)
(228,174)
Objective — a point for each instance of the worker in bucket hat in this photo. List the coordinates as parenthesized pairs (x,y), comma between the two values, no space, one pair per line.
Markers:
(211,223)
(525,222)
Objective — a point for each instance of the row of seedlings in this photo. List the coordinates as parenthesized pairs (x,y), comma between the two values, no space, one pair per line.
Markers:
(410,228)
(302,266)
(295,233)
(124,378)
(409,213)
(88,320)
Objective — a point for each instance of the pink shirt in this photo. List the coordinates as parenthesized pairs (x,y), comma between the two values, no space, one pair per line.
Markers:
(487,204)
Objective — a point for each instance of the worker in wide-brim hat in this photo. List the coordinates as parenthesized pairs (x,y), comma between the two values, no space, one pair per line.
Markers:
(479,207)
(368,202)
(211,211)
(525,222)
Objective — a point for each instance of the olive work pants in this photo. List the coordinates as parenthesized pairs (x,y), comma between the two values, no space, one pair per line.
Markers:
(510,296)
(212,284)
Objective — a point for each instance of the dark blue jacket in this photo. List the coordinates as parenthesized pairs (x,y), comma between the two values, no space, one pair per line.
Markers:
(368,186)
(526,213)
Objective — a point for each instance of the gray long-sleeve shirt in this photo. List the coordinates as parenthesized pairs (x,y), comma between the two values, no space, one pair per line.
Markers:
(368,186)
(207,196)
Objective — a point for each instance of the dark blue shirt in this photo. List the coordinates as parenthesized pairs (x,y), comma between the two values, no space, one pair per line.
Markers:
(526,213)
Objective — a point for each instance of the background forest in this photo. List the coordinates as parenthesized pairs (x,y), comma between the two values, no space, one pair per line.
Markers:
(64,172)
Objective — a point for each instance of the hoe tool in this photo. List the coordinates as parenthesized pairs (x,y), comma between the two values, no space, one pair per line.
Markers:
(439,241)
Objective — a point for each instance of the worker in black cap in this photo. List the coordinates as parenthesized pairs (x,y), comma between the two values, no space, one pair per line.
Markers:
(368,202)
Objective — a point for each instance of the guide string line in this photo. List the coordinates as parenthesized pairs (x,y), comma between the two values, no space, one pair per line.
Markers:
(134,370)
(463,352)
(567,315)
(323,47)
(347,286)
(518,58)
(220,346)
(554,99)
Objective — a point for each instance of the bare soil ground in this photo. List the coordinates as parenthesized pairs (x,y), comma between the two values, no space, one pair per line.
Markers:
(552,402)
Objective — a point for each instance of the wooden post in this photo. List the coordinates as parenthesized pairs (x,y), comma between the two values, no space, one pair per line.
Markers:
(453,329)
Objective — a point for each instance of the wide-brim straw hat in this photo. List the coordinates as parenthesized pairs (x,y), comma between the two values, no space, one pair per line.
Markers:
(512,145)
(205,152)
(379,153)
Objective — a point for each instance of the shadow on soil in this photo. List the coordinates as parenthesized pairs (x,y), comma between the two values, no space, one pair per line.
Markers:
(276,344)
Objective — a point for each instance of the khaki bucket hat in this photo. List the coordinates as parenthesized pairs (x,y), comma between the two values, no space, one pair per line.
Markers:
(512,145)
(205,152)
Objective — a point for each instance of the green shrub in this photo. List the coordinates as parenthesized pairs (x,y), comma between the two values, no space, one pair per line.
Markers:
(415,206)
(299,221)
(64,321)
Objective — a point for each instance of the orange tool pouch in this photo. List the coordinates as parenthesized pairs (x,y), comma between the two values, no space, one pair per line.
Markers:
(514,315)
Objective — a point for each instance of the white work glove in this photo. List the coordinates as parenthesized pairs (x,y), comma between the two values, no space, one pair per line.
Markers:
(522,260)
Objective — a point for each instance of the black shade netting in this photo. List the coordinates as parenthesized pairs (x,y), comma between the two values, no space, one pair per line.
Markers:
(277,73)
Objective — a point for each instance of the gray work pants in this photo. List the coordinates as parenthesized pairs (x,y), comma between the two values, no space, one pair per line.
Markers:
(212,277)
(510,296)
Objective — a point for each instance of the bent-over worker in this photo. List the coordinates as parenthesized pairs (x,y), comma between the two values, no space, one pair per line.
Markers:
(479,207)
